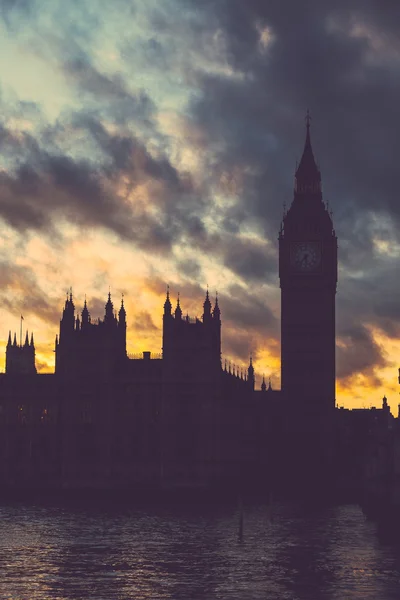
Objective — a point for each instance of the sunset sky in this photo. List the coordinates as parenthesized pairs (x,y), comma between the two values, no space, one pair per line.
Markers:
(154,142)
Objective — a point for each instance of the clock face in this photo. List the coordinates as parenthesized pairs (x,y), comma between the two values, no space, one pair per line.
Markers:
(305,256)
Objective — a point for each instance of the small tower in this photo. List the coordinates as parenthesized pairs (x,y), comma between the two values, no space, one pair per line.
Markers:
(168,325)
(250,373)
(20,359)
(216,326)
(263,385)
(67,322)
(167,304)
(207,309)
(109,311)
(122,312)
(85,316)
(216,309)
(178,310)
(122,327)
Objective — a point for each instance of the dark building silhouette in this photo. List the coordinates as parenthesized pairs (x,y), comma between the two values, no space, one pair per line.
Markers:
(20,358)
(84,348)
(308,277)
(184,418)
(105,419)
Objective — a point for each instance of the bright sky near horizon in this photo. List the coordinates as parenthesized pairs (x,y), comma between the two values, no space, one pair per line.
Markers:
(147,143)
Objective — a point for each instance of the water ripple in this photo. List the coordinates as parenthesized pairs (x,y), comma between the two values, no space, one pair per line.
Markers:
(55,553)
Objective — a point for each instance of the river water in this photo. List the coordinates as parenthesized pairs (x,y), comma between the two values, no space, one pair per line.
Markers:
(190,553)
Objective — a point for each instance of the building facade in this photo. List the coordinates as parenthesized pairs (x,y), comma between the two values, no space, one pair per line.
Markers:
(182,418)
(105,420)
(308,278)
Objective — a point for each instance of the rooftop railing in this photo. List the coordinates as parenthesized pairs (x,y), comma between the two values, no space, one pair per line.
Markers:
(146,356)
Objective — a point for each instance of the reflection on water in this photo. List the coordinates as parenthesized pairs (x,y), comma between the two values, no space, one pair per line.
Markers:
(63,553)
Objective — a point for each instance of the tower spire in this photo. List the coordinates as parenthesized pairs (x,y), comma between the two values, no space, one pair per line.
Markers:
(207,308)
(216,310)
(85,314)
(122,311)
(308,176)
(250,373)
(178,310)
(167,304)
(109,313)
(263,385)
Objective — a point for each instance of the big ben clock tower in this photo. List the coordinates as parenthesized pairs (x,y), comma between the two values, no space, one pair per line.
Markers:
(308,278)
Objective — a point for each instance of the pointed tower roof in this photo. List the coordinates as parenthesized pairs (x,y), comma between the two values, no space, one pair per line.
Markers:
(263,385)
(109,303)
(26,339)
(178,310)
(32,343)
(85,312)
(9,338)
(207,307)
(308,176)
(167,303)
(109,315)
(122,311)
(207,302)
(251,368)
(71,302)
(15,339)
(216,310)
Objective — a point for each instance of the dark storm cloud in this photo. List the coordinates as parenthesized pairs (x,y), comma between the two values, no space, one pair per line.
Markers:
(45,186)
(309,63)
(190,268)
(15,279)
(12,10)
(129,154)
(111,91)
(249,95)
(357,352)
(342,60)
(64,187)
(249,311)
(250,260)
(236,345)
(96,306)
(143,322)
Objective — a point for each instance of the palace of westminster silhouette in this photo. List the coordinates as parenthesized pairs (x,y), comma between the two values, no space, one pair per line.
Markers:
(104,420)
